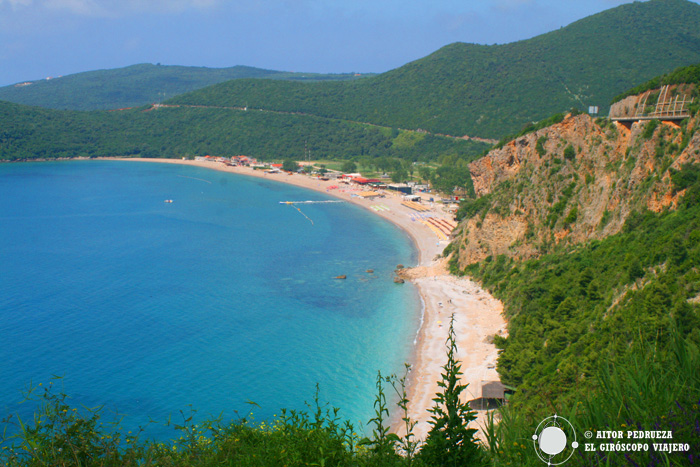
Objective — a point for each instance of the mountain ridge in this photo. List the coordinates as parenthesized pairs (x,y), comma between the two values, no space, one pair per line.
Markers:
(137,85)
(462,89)
(492,90)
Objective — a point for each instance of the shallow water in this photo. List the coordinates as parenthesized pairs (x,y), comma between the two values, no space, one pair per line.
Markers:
(220,297)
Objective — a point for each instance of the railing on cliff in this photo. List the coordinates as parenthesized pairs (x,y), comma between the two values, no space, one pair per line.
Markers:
(668,107)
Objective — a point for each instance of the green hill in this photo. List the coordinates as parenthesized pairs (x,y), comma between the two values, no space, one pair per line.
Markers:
(31,133)
(136,85)
(491,91)
(603,314)
(461,89)
(587,230)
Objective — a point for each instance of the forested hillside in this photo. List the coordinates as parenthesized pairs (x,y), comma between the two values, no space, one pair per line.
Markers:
(589,233)
(587,229)
(137,85)
(31,133)
(492,91)
(461,89)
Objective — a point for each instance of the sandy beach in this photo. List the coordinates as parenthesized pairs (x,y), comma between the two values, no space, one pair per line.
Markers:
(478,316)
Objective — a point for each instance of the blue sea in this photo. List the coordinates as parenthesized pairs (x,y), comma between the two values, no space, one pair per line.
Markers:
(221,297)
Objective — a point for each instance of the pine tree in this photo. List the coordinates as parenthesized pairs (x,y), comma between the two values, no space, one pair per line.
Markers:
(450,442)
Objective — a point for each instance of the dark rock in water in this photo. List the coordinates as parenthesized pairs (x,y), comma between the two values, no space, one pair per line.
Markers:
(400,266)
(341,277)
(370,271)
(398,280)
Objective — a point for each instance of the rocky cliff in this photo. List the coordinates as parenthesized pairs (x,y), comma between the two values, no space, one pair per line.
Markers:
(571,182)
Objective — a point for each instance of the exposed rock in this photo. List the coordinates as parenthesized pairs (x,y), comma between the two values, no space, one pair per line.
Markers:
(341,277)
(370,271)
(571,182)
(437,268)
(398,280)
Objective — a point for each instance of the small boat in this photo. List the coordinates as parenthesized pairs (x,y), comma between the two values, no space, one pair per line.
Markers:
(168,200)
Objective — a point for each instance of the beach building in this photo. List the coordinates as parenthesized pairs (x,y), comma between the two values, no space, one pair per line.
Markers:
(418,187)
(365,181)
(493,395)
(369,194)
(400,187)
(243,160)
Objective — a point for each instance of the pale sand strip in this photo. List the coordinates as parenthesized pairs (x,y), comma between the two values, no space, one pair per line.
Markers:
(478,315)
(477,318)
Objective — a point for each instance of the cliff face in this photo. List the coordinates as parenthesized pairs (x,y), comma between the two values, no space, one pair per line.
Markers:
(571,182)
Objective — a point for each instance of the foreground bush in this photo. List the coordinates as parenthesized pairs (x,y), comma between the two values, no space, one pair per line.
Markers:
(62,435)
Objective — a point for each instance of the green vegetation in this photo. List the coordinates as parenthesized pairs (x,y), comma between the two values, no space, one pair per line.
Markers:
(683,75)
(647,389)
(491,91)
(290,165)
(349,167)
(649,128)
(137,85)
(651,387)
(539,147)
(453,179)
(63,435)
(30,133)
(469,208)
(461,89)
(450,442)
(604,333)
(569,153)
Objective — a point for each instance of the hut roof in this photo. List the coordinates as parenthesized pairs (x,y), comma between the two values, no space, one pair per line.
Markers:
(493,390)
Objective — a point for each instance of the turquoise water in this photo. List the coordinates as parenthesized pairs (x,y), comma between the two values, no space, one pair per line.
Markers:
(221,297)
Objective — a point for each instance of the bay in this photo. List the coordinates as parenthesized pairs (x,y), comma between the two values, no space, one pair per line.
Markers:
(221,297)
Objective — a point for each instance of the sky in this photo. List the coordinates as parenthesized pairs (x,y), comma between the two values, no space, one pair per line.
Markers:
(42,38)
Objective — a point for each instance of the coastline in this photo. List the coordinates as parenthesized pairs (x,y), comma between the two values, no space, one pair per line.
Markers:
(478,315)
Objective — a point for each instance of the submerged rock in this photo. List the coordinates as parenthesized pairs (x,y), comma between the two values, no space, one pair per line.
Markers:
(398,280)
(341,277)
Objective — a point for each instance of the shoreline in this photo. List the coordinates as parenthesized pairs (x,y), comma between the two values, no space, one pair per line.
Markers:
(478,315)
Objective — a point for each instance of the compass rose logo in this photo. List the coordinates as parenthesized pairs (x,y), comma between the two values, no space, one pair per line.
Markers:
(554,440)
